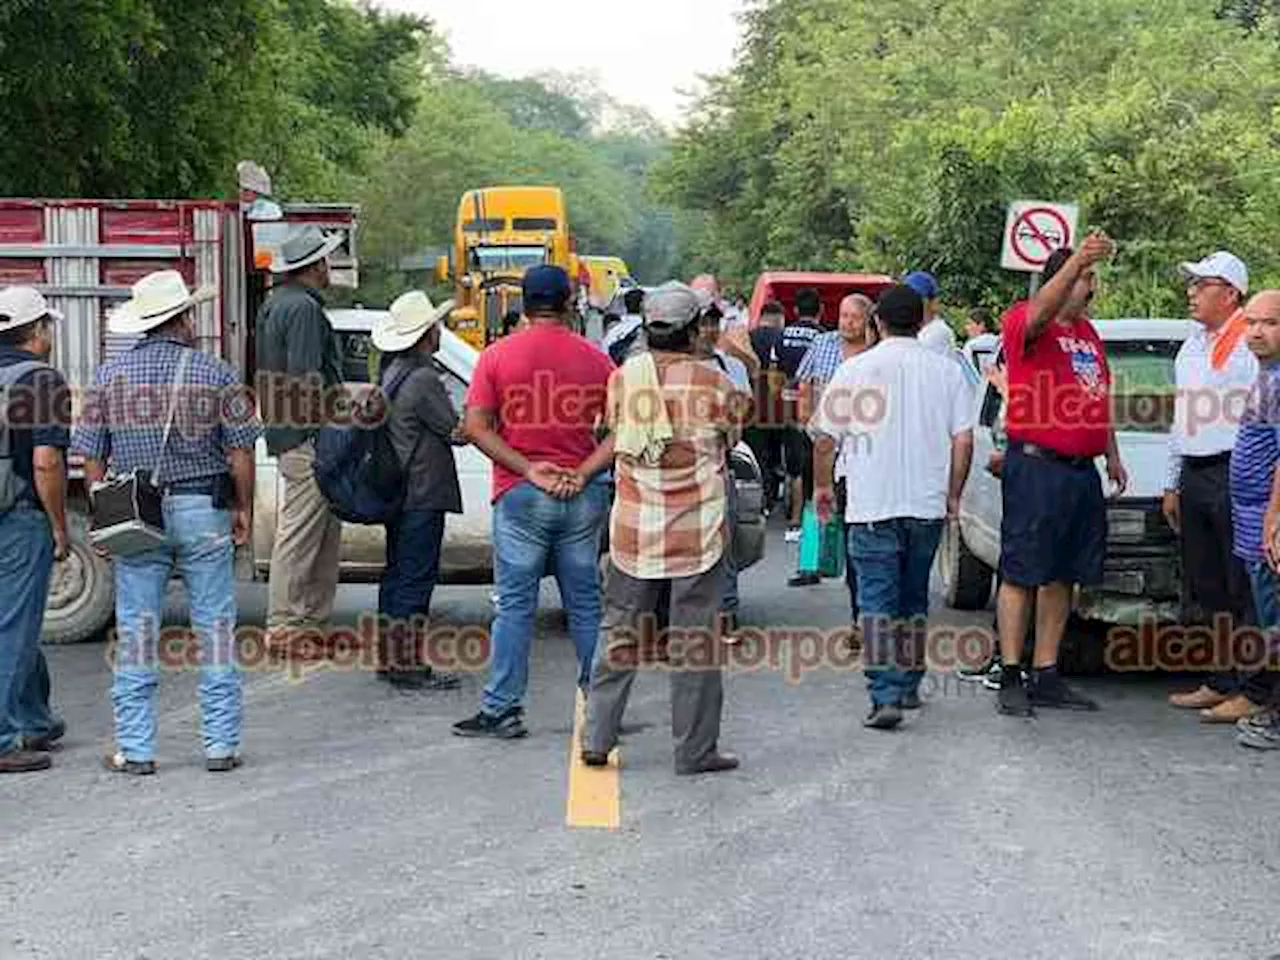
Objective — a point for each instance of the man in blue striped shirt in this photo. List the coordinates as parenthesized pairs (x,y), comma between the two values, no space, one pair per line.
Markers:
(1255,505)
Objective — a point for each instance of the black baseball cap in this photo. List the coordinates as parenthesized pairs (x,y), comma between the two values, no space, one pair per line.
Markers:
(546,287)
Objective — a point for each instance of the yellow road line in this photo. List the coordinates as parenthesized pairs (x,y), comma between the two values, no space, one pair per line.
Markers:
(594,792)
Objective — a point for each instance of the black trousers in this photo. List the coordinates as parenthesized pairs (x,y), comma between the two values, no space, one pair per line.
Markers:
(850,575)
(1215,582)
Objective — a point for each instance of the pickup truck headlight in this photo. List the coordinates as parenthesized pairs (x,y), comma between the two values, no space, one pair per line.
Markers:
(1126,526)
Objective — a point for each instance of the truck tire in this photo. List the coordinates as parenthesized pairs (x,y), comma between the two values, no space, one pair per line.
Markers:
(82,591)
(966,580)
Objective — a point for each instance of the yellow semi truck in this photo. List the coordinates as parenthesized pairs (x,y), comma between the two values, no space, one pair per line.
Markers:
(500,233)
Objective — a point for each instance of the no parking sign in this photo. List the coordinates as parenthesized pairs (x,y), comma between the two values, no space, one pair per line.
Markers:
(1033,230)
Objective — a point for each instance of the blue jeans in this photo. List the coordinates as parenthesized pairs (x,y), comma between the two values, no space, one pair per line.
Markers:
(1263,687)
(893,559)
(200,547)
(413,568)
(531,531)
(26,561)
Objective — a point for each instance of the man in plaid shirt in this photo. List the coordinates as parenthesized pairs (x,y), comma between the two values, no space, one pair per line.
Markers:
(205,474)
(668,539)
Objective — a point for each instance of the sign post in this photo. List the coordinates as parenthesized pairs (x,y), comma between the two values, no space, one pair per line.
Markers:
(1033,230)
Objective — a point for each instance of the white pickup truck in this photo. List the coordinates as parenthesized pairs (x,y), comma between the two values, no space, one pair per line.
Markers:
(1142,572)
(467,554)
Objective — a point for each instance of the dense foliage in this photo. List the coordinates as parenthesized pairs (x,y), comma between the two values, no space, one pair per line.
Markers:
(126,98)
(891,134)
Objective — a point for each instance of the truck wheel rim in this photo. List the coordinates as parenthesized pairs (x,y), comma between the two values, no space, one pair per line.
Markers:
(69,582)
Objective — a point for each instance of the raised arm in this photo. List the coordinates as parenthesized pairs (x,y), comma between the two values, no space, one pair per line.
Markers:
(1051,298)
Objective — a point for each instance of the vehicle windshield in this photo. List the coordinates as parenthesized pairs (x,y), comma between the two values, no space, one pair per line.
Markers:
(1144,386)
(488,258)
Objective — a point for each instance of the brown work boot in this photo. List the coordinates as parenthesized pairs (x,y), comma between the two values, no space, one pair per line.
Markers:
(1229,711)
(24,761)
(1202,698)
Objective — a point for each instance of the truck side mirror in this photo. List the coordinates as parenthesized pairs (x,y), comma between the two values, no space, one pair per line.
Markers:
(442,269)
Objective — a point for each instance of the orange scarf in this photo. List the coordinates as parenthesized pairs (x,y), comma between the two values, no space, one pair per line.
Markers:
(1225,340)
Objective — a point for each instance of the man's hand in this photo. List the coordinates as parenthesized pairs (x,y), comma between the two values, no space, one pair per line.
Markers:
(1172,510)
(953,509)
(241,526)
(571,484)
(824,503)
(1118,476)
(60,544)
(1096,248)
(550,479)
(1271,538)
(995,463)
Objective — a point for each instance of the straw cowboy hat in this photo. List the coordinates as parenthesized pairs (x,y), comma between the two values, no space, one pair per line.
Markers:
(305,247)
(20,306)
(410,317)
(157,298)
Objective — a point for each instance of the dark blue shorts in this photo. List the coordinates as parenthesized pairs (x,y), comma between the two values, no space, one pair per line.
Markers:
(1054,528)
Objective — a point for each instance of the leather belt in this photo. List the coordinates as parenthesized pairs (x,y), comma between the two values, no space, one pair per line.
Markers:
(1044,453)
(1212,460)
(200,486)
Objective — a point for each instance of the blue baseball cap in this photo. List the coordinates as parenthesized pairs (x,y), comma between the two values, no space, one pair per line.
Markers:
(923,284)
(546,287)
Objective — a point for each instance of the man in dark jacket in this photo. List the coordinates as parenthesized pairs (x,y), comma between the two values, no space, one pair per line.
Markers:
(422,427)
(298,362)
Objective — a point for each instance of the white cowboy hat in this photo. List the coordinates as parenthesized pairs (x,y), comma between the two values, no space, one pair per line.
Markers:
(304,247)
(20,306)
(410,317)
(157,298)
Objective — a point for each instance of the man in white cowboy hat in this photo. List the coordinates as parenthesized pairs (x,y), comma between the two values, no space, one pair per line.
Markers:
(33,522)
(422,423)
(298,361)
(204,472)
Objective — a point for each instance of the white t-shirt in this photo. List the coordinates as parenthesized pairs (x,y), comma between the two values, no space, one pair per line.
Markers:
(895,410)
(938,336)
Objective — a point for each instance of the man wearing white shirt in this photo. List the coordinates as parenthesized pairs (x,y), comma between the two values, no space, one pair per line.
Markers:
(913,413)
(1215,372)
(935,333)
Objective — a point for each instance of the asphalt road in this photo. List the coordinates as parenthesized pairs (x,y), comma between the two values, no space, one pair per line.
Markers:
(359,828)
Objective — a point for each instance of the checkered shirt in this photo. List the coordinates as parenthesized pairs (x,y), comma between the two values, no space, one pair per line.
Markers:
(669,520)
(822,360)
(124,414)
(819,365)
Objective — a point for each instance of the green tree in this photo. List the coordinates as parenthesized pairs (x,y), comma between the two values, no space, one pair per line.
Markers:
(152,98)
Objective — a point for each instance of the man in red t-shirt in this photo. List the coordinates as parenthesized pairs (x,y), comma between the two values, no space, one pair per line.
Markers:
(535,400)
(1054,527)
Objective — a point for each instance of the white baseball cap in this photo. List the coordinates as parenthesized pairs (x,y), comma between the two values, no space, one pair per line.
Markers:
(1219,266)
(20,306)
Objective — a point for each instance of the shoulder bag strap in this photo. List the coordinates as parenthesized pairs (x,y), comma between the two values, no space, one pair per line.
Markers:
(173,410)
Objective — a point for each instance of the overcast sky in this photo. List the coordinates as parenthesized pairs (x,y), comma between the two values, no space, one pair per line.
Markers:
(644,53)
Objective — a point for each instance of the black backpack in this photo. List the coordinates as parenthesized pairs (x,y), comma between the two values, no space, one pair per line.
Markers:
(356,467)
